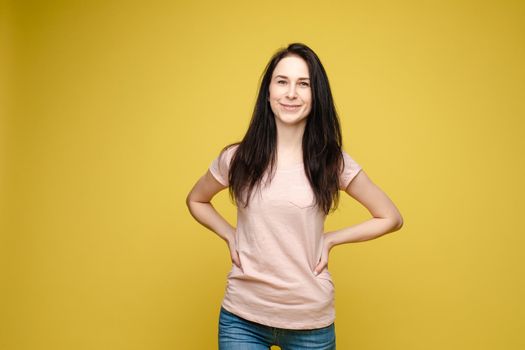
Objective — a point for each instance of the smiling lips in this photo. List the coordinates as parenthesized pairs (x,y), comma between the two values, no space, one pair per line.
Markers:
(290,107)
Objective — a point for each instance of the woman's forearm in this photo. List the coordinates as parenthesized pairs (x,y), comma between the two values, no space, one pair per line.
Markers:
(207,215)
(365,231)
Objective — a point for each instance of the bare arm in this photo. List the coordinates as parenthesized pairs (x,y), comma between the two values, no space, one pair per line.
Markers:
(385,217)
(200,207)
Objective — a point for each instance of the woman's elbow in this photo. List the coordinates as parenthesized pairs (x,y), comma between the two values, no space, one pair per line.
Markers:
(398,223)
(189,202)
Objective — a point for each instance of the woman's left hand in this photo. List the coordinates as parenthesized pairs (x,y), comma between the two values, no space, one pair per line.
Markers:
(323,261)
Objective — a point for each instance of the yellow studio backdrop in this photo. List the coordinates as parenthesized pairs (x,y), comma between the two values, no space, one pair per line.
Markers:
(112,110)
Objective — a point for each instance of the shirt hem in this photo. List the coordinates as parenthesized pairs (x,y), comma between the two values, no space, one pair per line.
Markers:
(285,325)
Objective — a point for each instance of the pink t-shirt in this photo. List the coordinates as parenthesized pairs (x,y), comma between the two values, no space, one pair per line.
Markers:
(279,238)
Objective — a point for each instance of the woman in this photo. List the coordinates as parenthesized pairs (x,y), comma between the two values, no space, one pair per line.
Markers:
(285,177)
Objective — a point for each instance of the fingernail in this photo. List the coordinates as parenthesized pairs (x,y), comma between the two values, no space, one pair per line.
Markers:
(316,273)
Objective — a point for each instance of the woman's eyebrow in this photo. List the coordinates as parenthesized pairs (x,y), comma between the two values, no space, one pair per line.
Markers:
(284,76)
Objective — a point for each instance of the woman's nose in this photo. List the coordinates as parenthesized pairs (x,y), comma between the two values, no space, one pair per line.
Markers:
(291,91)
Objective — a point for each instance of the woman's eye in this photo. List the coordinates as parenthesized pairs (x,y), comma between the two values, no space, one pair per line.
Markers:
(284,82)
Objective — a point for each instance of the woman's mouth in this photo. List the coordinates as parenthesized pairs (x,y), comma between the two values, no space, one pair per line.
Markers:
(290,107)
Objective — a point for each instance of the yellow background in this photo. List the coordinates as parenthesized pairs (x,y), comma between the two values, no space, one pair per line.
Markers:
(111,111)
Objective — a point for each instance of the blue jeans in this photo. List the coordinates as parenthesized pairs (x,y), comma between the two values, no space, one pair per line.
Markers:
(236,333)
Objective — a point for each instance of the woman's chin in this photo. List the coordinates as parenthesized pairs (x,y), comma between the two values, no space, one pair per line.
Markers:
(290,119)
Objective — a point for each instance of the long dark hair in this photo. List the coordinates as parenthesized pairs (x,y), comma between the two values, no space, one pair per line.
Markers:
(322,140)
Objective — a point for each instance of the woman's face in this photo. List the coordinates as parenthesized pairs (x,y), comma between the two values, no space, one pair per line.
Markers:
(290,91)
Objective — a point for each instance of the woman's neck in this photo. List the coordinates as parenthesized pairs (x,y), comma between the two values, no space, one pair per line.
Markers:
(290,143)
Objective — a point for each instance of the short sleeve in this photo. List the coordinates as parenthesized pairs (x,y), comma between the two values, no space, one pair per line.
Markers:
(220,166)
(350,169)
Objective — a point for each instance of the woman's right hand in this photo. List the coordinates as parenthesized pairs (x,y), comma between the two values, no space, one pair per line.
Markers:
(234,254)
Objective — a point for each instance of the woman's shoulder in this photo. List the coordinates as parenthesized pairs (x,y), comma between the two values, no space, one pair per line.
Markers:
(220,165)
(348,170)
(226,153)
(232,147)
(346,156)
(229,149)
